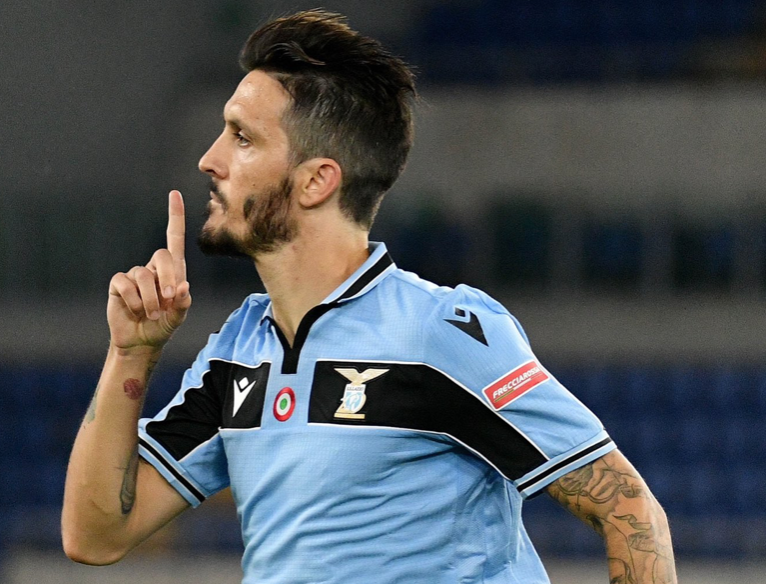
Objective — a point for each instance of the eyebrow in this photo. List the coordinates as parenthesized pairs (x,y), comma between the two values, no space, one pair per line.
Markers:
(238,123)
(234,120)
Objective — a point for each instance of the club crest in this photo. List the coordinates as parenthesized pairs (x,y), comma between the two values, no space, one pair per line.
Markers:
(354,397)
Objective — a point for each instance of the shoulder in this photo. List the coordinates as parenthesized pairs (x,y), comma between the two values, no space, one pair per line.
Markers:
(435,305)
(244,320)
(413,285)
(473,337)
(462,321)
(425,295)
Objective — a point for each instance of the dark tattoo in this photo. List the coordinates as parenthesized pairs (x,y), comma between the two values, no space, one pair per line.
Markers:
(133,388)
(90,415)
(129,479)
(608,496)
(152,365)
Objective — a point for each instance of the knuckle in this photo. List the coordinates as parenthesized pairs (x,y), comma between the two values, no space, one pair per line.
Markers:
(132,273)
(161,253)
(163,261)
(143,273)
(122,282)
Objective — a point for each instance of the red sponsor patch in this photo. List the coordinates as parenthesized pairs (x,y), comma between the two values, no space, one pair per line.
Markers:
(515,384)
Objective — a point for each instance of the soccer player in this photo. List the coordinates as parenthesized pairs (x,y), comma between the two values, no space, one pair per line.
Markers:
(373,427)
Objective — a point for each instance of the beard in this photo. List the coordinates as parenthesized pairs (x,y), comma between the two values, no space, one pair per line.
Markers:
(267,215)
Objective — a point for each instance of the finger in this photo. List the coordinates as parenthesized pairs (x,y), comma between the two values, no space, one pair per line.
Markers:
(182,292)
(132,272)
(176,234)
(121,285)
(182,301)
(162,265)
(147,288)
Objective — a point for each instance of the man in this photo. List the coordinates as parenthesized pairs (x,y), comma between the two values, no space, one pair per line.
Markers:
(373,427)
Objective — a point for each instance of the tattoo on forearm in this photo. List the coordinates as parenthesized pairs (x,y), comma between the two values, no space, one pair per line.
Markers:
(129,479)
(133,388)
(640,549)
(90,415)
(152,365)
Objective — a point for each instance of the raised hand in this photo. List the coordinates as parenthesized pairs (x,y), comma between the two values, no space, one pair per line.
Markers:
(148,303)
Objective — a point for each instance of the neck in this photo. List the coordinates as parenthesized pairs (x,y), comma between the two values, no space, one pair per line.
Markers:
(302,273)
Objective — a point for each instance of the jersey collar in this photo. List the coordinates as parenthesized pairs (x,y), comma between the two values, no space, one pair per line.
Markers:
(364,279)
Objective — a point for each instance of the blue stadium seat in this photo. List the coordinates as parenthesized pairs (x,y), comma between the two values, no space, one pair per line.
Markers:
(735,16)
(687,388)
(572,23)
(653,441)
(612,254)
(11,437)
(164,385)
(599,386)
(747,390)
(20,390)
(570,376)
(34,434)
(419,243)
(71,386)
(13,485)
(663,478)
(737,440)
(759,392)
(702,488)
(746,490)
(573,40)
(703,256)
(450,24)
(686,439)
(728,389)
(644,389)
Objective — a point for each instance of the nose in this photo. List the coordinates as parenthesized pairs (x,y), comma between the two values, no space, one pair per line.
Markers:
(212,162)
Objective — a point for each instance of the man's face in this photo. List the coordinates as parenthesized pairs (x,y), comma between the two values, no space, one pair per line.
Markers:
(250,187)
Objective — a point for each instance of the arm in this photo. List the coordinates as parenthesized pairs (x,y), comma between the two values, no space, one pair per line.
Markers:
(611,497)
(112,500)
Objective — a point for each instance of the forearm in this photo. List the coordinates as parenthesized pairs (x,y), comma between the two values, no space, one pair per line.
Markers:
(637,539)
(101,480)
(638,544)
(611,496)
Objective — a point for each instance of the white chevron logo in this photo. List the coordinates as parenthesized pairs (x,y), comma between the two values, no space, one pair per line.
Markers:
(240,393)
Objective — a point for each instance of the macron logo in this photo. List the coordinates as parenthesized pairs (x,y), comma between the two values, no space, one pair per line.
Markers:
(241,391)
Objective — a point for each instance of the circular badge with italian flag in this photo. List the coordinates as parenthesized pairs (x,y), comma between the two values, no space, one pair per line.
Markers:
(284,404)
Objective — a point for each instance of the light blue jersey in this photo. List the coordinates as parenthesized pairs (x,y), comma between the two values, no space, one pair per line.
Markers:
(393,442)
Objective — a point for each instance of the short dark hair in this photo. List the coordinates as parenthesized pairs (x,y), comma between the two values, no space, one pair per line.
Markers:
(351,101)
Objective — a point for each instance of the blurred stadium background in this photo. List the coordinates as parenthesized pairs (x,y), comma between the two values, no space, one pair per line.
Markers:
(597,165)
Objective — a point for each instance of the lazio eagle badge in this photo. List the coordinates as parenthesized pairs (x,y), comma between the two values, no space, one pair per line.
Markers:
(354,397)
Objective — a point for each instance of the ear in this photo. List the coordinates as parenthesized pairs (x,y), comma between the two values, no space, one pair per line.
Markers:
(316,180)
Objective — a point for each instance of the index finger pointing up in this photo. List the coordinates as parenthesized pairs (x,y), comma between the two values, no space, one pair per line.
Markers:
(176,234)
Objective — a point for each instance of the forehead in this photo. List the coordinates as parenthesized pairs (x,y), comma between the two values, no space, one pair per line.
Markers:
(257,103)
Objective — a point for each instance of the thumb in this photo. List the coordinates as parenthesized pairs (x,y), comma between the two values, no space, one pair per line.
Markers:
(181,303)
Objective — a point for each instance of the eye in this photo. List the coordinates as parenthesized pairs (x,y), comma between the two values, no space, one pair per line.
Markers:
(240,139)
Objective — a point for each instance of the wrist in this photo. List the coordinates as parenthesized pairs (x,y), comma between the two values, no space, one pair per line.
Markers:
(138,352)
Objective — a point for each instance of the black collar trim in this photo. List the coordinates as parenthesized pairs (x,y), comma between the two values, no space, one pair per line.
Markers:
(367,277)
(365,281)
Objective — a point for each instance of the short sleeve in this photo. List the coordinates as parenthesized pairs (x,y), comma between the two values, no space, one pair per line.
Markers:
(545,432)
(183,441)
